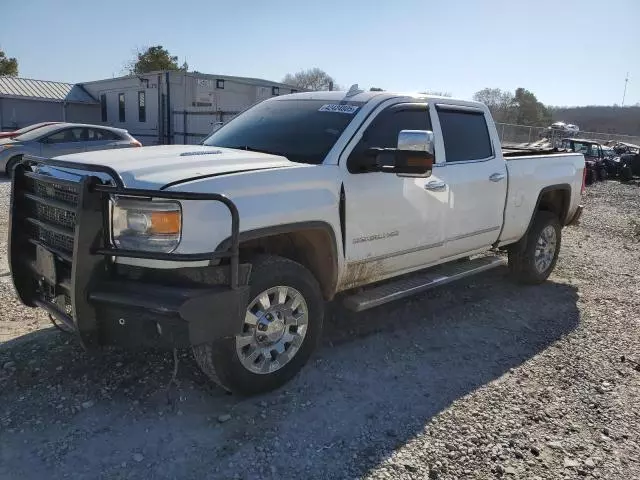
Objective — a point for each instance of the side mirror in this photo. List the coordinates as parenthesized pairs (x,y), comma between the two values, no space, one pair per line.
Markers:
(413,158)
(416,140)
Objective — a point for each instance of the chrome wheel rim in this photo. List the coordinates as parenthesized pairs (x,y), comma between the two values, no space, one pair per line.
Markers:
(275,325)
(545,249)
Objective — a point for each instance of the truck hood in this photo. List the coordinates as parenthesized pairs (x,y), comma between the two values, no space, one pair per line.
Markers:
(162,165)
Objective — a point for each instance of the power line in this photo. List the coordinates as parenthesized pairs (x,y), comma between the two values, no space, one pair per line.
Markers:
(624,94)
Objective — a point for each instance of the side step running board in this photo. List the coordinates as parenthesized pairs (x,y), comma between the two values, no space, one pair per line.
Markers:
(420,282)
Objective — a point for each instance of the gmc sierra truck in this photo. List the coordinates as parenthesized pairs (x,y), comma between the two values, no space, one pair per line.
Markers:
(232,247)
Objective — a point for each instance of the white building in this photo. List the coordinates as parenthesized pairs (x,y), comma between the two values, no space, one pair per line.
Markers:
(175,106)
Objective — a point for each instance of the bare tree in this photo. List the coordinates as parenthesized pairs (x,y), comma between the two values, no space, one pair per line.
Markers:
(501,103)
(312,79)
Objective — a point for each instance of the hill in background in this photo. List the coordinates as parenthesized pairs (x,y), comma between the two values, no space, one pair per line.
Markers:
(620,120)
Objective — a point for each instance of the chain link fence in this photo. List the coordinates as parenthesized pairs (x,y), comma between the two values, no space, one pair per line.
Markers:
(511,134)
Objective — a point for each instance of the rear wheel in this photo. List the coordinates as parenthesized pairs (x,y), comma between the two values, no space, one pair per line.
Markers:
(603,174)
(533,258)
(281,328)
(589,178)
(626,173)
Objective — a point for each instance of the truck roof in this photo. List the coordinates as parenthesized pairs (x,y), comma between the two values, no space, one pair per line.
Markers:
(364,97)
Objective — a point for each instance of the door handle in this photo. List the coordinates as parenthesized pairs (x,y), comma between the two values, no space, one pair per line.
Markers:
(436,186)
(496,177)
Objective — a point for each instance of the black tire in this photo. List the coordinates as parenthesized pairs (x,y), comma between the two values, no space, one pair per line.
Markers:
(219,360)
(626,173)
(12,161)
(522,254)
(589,179)
(603,174)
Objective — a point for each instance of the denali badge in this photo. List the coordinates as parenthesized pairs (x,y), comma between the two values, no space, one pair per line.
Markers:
(378,236)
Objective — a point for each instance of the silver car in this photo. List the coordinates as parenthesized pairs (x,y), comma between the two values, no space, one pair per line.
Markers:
(60,139)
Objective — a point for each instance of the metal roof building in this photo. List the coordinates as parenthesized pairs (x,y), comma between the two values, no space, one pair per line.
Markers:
(24,101)
(176,106)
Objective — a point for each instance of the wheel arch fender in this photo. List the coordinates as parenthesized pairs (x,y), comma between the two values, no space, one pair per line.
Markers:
(12,161)
(553,198)
(311,243)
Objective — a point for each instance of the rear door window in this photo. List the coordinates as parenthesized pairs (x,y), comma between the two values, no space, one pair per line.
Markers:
(465,135)
(97,134)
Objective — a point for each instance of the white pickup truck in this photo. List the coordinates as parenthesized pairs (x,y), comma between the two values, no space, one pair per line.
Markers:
(232,247)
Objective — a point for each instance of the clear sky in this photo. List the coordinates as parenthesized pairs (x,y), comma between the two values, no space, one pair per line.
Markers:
(567,52)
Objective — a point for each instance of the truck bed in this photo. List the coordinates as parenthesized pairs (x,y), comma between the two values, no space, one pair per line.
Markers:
(530,172)
(509,152)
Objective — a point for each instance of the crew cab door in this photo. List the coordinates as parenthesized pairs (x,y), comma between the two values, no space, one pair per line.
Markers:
(474,174)
(393,223)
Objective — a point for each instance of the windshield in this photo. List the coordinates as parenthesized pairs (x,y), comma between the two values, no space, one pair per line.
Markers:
(588,149)
(37,133)
(299,129)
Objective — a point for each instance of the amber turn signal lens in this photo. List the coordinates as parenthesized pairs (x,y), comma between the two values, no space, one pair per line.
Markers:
(165,223)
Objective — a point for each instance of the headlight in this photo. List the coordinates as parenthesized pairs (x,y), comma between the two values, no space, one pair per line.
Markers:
(145,225)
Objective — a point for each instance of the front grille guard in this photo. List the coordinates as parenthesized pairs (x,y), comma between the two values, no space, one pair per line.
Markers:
(91,242)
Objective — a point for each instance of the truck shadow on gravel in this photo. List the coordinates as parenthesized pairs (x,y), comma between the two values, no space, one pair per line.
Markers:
(379,377)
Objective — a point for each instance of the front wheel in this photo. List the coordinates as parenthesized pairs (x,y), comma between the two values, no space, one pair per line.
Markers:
(533,258)
(280,330)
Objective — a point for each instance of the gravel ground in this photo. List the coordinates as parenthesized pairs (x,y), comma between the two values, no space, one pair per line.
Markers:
(483,379)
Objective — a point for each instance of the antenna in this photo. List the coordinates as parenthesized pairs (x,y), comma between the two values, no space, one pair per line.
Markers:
(624,94)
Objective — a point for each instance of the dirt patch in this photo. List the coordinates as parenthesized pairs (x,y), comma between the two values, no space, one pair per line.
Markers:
(362,273)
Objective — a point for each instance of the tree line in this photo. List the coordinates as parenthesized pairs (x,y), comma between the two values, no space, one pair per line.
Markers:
(520,107)
(523,108)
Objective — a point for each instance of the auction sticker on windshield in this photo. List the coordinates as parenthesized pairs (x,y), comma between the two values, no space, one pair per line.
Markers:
(348,109)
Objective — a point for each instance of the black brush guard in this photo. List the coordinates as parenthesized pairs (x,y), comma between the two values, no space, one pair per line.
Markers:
(61,260)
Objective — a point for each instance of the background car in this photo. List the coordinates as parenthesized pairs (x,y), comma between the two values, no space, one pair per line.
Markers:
(15,133)
(61,139)
(611,161)
(566,127)
(594,157)
(629,160)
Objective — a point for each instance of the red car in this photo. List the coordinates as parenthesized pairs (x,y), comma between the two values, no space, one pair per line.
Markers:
(15,133)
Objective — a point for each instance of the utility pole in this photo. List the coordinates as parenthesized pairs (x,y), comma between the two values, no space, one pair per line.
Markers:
(624,94)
